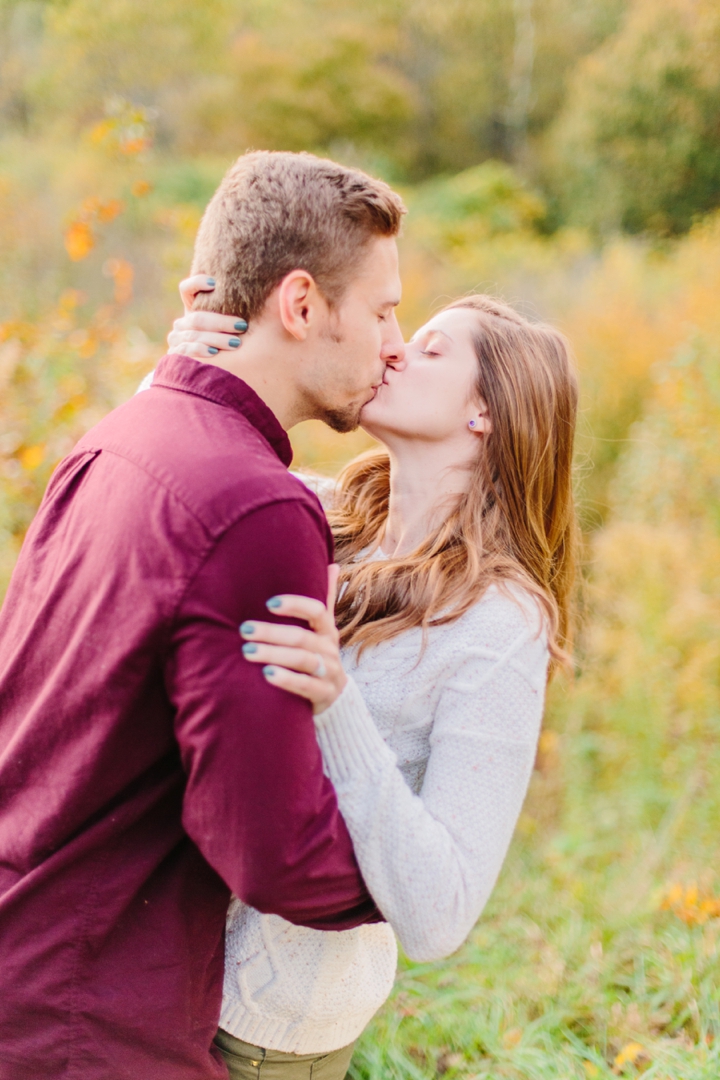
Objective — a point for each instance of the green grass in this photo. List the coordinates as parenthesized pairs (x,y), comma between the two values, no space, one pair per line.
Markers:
(563,971)
(575,957)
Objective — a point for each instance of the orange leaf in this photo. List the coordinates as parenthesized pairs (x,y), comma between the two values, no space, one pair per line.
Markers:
(511,1038)
(32,457)
(140,188)
(101,130)
(628,1056)
(79,240)
(134,146)
(109,211)
(122,274)
(69,300)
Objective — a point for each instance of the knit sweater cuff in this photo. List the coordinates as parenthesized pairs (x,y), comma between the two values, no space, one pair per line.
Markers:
(350,743)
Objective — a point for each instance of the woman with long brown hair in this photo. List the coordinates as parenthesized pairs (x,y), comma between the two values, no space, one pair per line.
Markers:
(455,543)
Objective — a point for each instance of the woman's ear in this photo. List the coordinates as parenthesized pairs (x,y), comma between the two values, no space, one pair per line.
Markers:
(298,298)
(479,421)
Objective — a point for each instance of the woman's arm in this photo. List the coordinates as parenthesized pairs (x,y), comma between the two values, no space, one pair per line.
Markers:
(431,861)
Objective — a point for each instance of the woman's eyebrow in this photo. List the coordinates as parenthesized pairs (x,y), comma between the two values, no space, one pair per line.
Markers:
(437,330)
(431,330)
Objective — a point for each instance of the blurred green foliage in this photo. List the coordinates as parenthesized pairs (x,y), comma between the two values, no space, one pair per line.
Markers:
(610,106)
(637,146)
(425,86)
(563,154)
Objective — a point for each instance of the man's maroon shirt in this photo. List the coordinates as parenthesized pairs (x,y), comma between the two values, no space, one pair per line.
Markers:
(146,768)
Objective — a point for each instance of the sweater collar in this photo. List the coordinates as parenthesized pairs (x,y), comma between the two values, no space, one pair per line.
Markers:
(176,372)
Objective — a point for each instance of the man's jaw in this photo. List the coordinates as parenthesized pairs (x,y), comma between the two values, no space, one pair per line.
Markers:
(344,420)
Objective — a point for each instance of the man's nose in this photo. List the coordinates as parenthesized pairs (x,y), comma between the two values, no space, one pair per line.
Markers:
(393,349)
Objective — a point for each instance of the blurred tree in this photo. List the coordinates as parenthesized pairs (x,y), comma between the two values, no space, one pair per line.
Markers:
(319,77)
(461,211)
(420,86)
(21,37)
(490,75)
(156,55)
(638,145)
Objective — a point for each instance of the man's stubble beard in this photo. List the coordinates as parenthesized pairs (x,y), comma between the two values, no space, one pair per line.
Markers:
(346,419)
(341,420)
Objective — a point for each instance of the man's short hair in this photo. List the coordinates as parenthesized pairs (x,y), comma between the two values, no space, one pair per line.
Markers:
(277,212)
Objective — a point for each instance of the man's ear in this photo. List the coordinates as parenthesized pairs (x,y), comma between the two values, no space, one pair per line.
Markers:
(298,300)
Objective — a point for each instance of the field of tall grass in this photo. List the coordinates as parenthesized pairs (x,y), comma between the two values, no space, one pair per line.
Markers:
(598,954)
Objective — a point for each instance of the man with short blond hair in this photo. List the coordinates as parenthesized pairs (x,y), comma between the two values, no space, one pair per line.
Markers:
(146,768)
(274,212)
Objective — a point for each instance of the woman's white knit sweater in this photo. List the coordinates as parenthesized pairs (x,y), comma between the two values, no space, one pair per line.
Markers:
(430,753)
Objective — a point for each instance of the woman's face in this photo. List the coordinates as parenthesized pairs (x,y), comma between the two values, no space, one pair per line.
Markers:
(432,395)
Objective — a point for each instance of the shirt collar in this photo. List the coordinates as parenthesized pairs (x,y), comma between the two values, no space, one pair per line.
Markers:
(178,372)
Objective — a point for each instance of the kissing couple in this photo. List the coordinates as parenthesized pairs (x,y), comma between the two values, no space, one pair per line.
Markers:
(248,739)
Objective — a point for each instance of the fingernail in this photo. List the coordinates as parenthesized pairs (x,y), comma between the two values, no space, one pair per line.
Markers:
(274,603)
(241,326)
(247,628)
(249,647)
(268,671)
(212,350)
(234,342)
(210,280)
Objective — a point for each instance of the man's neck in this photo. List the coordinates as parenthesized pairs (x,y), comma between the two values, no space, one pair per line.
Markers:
(258,362)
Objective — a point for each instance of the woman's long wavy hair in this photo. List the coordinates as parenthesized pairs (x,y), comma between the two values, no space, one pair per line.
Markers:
(516,522)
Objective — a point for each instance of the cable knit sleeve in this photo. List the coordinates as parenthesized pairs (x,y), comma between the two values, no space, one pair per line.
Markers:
(431,860)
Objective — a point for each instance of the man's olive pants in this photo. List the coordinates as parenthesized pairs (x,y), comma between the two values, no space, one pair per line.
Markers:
(247,1062)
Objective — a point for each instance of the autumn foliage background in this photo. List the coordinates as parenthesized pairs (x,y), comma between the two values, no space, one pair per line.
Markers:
(566,155)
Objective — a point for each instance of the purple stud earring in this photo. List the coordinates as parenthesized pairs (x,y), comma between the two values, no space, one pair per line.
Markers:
(471,424)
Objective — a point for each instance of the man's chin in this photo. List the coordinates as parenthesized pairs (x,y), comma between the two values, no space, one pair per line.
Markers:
(342,420)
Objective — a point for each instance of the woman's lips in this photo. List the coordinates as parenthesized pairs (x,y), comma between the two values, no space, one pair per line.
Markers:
(376,389)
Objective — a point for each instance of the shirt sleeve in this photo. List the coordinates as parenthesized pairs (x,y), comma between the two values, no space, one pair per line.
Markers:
(431,860)
(257,803)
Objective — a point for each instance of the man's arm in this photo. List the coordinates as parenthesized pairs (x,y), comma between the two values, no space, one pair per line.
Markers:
(257,803)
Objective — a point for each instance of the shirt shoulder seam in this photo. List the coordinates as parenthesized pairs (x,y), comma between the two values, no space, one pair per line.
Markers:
(302,495)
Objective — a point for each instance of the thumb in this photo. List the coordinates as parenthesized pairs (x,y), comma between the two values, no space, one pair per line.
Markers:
(190,287)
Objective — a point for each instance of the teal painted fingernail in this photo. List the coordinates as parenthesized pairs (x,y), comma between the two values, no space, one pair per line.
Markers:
(249,647)
(274,603)
(241,326)
(212,350)
(210,280)
(234,342)
(268,671)
(247,628)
